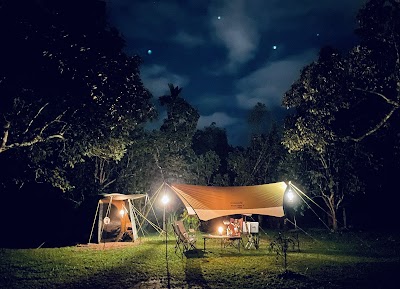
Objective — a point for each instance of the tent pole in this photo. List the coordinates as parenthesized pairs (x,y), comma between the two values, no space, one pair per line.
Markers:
(100,223)
(107,213)
(133,222)
(94,221)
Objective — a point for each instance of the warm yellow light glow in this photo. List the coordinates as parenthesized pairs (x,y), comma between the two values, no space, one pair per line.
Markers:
(165,199)
(220,230)
(122,212)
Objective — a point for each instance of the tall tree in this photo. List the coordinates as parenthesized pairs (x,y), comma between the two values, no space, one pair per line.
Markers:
(259,119)
(173,151)
(260,162)
(374,65)
(316,129)
(212,139)
(69,93)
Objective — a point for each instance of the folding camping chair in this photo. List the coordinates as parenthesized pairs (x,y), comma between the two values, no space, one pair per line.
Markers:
(182,237)
(178,239)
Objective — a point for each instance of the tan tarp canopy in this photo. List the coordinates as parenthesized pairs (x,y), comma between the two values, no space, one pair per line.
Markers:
(212,202)
(122,197)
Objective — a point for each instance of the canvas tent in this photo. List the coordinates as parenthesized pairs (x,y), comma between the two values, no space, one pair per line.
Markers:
(209,202)
(115,217)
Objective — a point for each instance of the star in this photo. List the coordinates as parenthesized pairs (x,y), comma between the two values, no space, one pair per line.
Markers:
(274,47)
(219,17)
(149,52)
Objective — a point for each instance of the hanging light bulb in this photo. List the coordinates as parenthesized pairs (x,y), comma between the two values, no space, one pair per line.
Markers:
(290,196)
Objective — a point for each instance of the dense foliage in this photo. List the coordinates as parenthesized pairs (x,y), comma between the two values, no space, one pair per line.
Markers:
(69,93)
(346,110)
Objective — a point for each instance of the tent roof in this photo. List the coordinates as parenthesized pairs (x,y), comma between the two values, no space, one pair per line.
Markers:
(121,197)
(212,202)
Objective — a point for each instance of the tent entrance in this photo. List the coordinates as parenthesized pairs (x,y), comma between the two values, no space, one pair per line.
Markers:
(117,225)
(116,217)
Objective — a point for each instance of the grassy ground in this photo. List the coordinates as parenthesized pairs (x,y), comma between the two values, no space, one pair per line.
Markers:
(348,260)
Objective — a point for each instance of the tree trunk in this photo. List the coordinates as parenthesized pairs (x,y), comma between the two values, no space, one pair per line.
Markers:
(332,217)
(334,220)
(344,218)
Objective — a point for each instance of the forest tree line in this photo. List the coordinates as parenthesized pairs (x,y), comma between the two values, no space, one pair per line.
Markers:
(74,115)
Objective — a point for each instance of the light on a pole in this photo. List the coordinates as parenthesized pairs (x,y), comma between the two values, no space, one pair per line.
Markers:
(290,196)
(165,199)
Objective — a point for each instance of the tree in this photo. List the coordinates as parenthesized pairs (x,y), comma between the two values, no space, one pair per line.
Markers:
(259,119)
(69,93)
(172,146)
(206,167)
(374,64)
(212,139)
(316,131)
(260,162)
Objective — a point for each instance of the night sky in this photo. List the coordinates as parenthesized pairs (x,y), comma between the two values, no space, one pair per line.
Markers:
(229,55)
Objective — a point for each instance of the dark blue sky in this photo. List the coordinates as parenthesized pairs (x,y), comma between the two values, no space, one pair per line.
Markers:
(222,52)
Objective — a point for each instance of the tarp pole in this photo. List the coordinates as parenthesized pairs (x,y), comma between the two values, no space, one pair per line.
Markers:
(158,228)
(153,200)
(137,220)
(298,190)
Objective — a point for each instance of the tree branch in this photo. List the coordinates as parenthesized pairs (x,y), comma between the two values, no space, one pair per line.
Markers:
(35,140)
(39,138)
(378,126)
(388,100)
(5,136)
(35,117)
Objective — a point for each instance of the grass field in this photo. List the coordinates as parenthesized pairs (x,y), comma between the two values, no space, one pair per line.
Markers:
(347,260)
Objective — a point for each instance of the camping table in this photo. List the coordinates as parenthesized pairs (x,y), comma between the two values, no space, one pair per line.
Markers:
(224,239)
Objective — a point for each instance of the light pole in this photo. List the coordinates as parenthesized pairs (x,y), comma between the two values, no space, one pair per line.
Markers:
(165,200)
(290,201)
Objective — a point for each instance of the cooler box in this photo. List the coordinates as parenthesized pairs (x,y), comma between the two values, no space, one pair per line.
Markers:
(250,227)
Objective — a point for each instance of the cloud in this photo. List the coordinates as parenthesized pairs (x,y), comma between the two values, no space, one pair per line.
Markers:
(210,102)
(236,31)
(220,118)
(188,40)
(157,77)
(146,19)
(268,83)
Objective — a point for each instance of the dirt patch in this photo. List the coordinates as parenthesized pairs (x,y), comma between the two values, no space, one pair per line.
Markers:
(108,245)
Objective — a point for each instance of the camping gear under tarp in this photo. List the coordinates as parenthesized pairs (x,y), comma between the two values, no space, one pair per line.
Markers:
(209,202)
(115,217)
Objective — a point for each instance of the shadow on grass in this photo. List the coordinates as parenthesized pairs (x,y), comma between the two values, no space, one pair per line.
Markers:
(197,253)
(126,275)
(288,274)
(193,271)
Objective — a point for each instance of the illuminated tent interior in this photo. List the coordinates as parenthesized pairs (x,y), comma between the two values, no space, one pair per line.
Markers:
(212,202)
(116,218)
